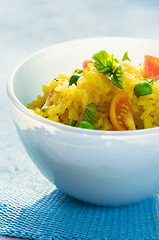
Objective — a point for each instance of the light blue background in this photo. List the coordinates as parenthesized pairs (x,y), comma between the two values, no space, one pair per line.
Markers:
(28,25)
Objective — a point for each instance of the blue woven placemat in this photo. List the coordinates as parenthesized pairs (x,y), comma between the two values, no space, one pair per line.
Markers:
(41,211)
(58,216)
(31,207)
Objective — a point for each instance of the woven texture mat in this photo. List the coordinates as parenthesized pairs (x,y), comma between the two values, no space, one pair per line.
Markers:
(37,210)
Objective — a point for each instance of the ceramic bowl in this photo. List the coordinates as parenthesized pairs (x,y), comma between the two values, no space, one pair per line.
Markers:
(107,168)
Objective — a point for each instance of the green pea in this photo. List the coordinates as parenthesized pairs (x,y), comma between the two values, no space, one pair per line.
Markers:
(142,88)
(72,122)
(87,125)
(73,79)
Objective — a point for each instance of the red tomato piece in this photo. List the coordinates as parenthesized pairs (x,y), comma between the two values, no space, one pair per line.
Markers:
(151,67)
(85,63)
(120,113)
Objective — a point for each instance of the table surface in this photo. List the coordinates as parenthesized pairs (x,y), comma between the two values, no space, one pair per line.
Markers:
(27,26)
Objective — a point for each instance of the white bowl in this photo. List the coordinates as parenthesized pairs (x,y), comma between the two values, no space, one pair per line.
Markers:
(107,168)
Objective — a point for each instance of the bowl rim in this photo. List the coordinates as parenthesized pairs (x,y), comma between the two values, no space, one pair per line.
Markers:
(16,102)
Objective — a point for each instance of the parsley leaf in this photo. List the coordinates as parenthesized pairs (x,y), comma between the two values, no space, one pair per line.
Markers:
(117,78)
(106,64)
(125,57)
(89,114)
(100,58)
(86,125)
(73,79)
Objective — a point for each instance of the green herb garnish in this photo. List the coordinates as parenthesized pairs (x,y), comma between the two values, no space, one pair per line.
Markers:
(106,64)
(143,88)
(90,113)
(78,71)
(118,78)
(73,79)
(72,122)
(125,57)
(87,125)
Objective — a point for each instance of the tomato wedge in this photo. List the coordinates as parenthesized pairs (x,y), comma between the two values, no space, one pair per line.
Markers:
(120,113)
(85,63)
(151,67)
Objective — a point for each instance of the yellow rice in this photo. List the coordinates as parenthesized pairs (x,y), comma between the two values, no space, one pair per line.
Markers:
(69,102)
